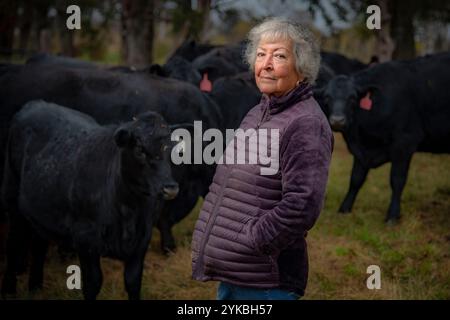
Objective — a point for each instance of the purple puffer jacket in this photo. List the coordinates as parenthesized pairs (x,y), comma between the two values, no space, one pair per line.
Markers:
(251,229)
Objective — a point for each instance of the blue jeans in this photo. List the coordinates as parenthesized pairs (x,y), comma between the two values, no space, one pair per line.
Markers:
(228,291)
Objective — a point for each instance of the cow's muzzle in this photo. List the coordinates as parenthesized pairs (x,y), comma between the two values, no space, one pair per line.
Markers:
(338,123)
(170,190)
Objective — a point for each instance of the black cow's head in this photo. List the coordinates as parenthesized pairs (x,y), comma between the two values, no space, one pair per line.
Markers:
(214,66)
(145,144)
(181,69)
(342,98)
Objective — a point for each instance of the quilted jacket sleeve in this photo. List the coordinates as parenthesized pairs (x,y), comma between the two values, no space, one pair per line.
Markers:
(305,155)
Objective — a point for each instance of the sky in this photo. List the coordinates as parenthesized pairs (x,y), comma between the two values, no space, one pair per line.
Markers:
(288,8)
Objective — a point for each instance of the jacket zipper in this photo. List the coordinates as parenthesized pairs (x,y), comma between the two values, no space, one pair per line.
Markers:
(209,223)
(263,117)
(213,216)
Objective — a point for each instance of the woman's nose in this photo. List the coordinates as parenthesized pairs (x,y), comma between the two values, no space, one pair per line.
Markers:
(268,63)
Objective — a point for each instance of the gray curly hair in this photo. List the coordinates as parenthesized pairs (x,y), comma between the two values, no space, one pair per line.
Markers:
(306,48)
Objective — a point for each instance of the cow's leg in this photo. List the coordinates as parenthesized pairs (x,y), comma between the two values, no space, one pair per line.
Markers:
(359,174)
(133,275)
(39,248)
(91,274)
(3,236)
(165,229)
(17,247)
(399,174)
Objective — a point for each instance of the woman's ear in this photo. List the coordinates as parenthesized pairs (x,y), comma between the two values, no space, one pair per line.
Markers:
(122,136)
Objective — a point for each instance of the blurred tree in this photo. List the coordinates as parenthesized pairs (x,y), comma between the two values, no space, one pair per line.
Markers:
(40,25)
(25,21)
(65,36)
(190,18)
(94,34)
(398,22)
(384,46)
(8,20)
(395,39)
(137,31)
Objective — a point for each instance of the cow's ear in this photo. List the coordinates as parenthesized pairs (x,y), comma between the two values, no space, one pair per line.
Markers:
(318,91)
(185,125)
(123,137)
(368,88)
(156,69)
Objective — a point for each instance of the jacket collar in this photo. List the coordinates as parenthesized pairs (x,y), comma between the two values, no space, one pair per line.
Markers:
(277,104)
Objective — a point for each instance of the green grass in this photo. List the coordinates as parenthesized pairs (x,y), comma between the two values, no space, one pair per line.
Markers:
(414,256)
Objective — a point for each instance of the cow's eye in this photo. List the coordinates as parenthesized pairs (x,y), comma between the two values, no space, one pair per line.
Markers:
(139,152)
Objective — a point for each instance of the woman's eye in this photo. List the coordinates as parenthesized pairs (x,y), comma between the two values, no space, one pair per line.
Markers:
(280,56)
(260,54)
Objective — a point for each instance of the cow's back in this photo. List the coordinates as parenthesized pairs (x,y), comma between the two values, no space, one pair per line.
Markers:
(42,155)
(434,78)
(410,97)
(39,124)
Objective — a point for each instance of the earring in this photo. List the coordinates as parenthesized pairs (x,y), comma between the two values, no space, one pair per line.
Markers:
(297,83)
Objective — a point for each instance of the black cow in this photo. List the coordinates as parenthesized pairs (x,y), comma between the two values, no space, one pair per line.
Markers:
(388,112)
(333,64)
(176,67)
(324,76)
(109,97)
(62,61)
(190,49)
(179,68)
(341,64)
(94,188)
(235,95)
(222,61)
(112,97)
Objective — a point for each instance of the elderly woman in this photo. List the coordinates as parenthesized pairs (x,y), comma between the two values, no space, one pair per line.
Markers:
(251,231)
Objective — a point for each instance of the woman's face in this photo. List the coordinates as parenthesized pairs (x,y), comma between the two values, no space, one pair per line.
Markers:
(275,71)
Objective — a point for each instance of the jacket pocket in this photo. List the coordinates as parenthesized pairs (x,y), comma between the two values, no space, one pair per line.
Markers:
(270,258)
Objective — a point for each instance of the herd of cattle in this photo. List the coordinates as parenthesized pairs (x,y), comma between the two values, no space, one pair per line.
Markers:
(84,149)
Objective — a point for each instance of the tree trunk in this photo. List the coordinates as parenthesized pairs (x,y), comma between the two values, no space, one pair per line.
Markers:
(45,40)
(65,35)
(8,19)
(138,31)
(123,34)
(205,7)
(402,30)
(384,45)
(40,27)
(25,26)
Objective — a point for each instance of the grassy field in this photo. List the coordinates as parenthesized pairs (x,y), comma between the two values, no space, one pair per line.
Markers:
(414,256)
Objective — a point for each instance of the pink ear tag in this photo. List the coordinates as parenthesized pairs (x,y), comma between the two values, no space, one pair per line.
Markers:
(205,84)
(366,103)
